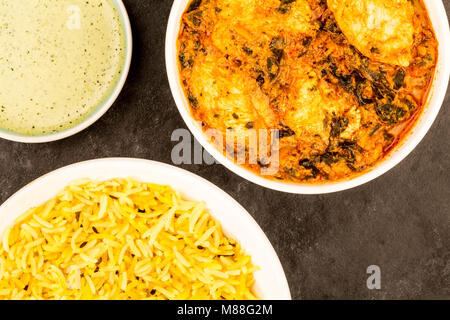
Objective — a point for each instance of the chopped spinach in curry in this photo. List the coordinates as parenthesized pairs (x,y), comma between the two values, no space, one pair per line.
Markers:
(287,65)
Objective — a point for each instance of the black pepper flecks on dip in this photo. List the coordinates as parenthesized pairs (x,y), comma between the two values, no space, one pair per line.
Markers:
(59,60)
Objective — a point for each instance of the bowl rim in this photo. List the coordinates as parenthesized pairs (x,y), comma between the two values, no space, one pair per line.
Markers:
(97,112)
(409,143)
(112,168)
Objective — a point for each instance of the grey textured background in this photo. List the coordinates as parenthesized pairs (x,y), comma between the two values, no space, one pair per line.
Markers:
(400,221)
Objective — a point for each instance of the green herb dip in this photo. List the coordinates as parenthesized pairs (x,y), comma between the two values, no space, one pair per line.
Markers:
(59,59)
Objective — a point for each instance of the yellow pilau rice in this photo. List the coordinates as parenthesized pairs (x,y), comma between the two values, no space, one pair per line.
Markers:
(121,239)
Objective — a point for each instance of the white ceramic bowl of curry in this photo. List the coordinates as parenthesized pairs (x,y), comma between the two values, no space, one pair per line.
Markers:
(439,21)
(63,65)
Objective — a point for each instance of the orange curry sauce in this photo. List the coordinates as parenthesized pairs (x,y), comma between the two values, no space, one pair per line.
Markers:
(286,65)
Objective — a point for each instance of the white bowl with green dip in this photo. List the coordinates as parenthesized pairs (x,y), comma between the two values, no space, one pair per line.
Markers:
(62,65)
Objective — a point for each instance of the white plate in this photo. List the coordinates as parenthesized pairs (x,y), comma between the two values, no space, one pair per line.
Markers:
(236,221)
(98,111)
(439,19)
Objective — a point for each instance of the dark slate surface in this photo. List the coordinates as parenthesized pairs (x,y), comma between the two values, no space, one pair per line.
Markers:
(400,221)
